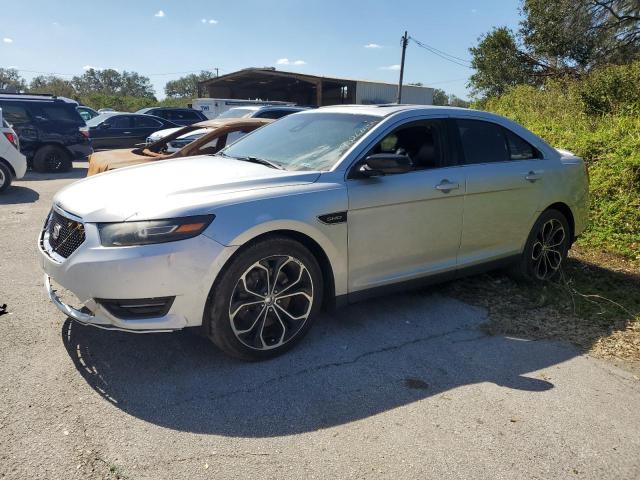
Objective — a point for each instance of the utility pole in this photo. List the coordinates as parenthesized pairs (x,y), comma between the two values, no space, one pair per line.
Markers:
(216,69)
(405,41)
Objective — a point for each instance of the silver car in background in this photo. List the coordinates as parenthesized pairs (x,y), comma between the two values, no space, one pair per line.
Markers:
(315,210)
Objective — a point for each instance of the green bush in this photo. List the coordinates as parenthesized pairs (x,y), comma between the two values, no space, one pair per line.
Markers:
(598,119)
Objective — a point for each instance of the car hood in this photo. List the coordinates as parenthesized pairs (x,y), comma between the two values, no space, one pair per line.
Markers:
(175,187)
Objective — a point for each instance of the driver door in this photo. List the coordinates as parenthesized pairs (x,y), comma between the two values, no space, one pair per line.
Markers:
(406,226)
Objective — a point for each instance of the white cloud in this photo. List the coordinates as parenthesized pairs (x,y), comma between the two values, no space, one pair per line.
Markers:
(203,20)
(7,40)
(213,22)
(286,61)
(159,14)
(372,45)
(210,21)
(391,67)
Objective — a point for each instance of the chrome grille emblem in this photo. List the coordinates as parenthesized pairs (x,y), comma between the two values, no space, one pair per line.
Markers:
(56,231)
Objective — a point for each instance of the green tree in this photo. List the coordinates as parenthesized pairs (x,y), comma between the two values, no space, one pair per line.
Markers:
(11,80)
(498,64)
(51,84)
(556,39)
(440,97)
(112,82)
(187,86)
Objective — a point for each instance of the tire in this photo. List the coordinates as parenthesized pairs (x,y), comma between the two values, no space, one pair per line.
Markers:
(546,248)
(52,159)
(5,177)
(265,300)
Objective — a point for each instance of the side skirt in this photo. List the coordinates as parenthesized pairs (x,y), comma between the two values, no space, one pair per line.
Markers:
(344,300)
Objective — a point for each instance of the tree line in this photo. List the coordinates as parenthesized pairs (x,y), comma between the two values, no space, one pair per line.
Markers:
(106,88)
(556,39)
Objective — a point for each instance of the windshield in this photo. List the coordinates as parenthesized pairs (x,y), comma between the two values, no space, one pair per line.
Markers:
(304,141)
(237,113)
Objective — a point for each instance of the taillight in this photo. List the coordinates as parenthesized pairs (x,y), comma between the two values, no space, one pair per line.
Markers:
(12,137)
(84,131)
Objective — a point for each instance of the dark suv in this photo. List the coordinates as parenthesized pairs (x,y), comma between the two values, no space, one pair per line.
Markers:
(179,116)
(52,133)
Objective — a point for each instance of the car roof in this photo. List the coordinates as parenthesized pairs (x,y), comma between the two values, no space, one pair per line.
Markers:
(232,122)
(36,97)
(389,109)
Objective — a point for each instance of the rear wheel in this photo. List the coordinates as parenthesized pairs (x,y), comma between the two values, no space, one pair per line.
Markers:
(51,158)
(265,300)
(546,248)
(5,177)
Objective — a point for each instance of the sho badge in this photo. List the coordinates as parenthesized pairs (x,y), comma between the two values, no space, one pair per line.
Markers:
(332,218)
(56,231)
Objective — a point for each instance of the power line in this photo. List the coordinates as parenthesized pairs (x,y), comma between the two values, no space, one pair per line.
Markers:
(444,55)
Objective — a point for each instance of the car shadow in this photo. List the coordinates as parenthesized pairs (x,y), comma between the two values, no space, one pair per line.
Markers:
(16,194)
(78,171)
(360,361)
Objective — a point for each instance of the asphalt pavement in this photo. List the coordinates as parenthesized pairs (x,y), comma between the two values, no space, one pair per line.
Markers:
(403,386)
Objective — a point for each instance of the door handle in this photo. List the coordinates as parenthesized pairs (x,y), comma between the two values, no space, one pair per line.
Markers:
(126,133)
(446,186)
(532,176)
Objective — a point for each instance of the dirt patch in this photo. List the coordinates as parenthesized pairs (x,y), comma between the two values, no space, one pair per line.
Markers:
(594,304)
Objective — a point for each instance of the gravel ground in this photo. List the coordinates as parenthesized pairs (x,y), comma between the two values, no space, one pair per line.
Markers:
(405,386)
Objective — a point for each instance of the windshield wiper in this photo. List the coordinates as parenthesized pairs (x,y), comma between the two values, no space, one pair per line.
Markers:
(260,161)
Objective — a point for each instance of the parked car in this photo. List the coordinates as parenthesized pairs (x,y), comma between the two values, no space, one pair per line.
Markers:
(212,136)
(52,133)
(87,113)
(13,165)
(121,130)
(179,116)
(319,208)
(256,111)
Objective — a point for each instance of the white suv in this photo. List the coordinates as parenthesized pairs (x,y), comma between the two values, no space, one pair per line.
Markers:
(12,163)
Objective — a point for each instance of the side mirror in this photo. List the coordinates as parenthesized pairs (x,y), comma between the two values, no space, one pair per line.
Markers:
(384,164)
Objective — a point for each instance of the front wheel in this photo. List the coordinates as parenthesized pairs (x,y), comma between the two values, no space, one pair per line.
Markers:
(265,300)
(546,248)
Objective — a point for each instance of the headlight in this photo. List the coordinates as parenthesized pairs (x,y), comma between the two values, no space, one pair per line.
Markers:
(152,231)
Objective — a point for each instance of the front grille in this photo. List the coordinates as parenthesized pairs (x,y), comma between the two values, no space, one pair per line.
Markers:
(65,235)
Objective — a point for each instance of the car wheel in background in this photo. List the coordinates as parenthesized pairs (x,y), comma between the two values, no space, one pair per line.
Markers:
(546,248)
(5,177)
(51,158)
(265,300)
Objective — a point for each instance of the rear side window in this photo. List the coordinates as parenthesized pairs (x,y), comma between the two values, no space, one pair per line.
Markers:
(482,142)
(520,149)
(58,113)
(14,113)
(183,115)
(121,121)
(146,122)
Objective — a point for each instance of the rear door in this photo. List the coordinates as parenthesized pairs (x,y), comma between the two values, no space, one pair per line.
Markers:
(504,177)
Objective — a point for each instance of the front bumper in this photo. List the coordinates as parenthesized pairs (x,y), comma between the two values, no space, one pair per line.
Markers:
(184,269)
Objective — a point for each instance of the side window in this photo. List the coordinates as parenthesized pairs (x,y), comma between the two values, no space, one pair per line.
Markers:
(14,113)
(520,149)
(121,121)
(146,122)
(183,115)
(424,142)
(57,113)
(482,142)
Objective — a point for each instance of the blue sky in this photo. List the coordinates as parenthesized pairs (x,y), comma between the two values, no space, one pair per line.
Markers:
(161,37)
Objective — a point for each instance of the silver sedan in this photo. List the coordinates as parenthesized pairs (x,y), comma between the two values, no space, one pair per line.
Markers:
(318,209)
